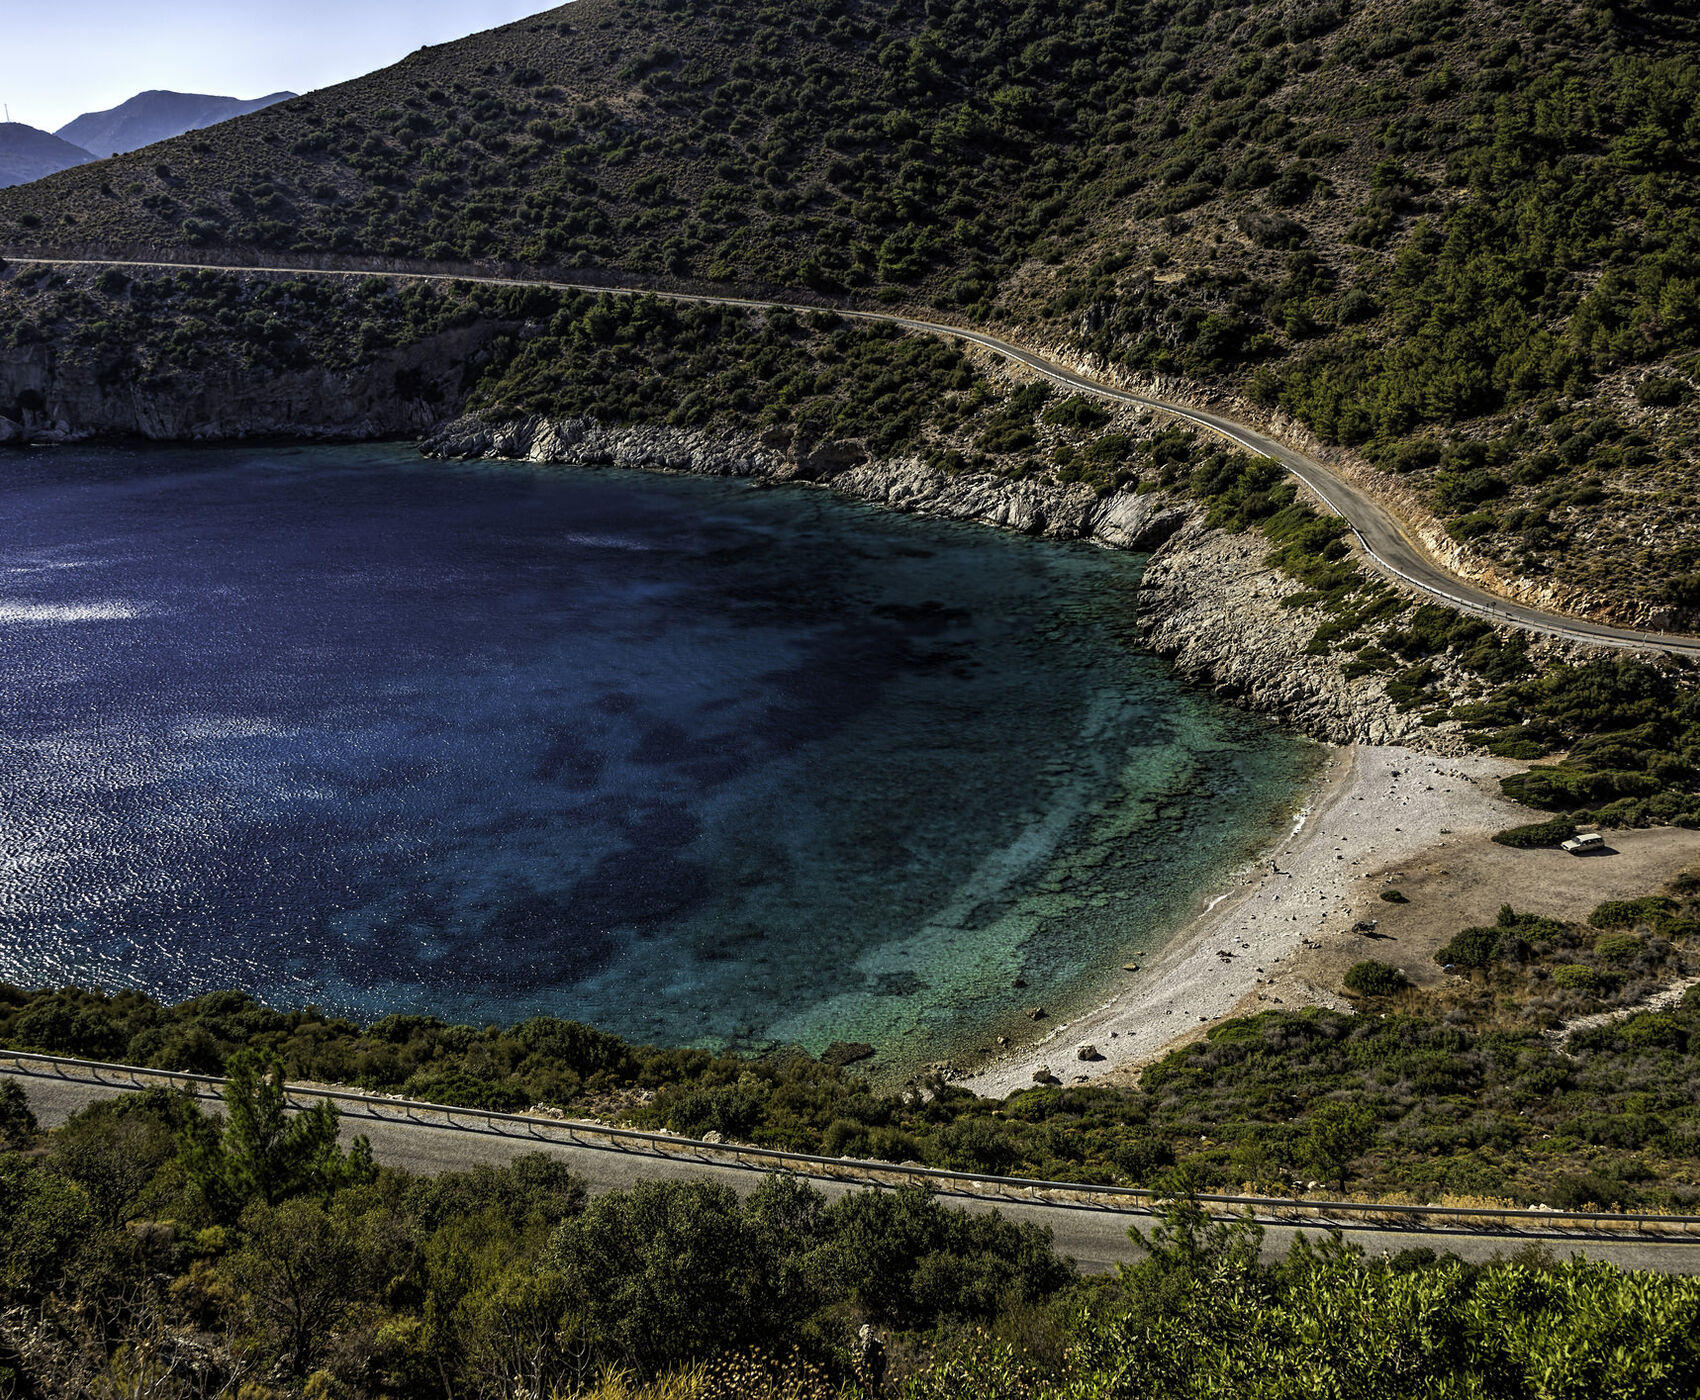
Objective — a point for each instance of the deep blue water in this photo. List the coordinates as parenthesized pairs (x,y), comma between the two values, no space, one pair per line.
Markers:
(687,760)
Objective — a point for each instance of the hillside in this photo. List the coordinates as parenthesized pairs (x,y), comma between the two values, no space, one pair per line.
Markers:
(27,154)
(1456,238)
(150,117)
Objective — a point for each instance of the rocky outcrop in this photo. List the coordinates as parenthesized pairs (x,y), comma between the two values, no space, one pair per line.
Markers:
(1125,520)
(1210,603)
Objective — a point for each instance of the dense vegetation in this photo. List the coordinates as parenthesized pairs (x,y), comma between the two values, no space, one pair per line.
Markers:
(147,1249)
(1461,1092)
(1455,236)
(863,387)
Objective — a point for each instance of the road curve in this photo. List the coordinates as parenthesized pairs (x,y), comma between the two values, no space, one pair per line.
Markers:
(1385,542)
(1092,1233)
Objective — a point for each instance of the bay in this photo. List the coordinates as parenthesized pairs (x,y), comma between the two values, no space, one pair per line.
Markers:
(689,761)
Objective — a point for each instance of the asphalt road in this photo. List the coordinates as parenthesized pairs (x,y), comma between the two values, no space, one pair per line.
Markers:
(1384,541)
(1095,1238)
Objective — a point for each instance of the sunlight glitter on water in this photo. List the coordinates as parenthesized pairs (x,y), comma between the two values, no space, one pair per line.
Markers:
(691,762)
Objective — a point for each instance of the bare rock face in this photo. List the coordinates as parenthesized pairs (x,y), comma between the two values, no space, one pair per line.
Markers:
(1211,604)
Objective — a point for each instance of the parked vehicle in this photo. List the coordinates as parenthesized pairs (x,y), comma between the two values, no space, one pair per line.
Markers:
(1585,843)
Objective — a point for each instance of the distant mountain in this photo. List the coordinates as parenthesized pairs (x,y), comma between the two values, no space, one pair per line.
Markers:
(27,154)
(157,116)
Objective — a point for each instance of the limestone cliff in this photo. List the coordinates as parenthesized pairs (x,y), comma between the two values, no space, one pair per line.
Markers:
(1126,520)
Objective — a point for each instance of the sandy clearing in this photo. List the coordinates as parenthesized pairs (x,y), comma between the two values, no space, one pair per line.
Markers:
(1466,882)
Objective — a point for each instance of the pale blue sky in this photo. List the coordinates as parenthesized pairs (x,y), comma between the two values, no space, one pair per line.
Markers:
(74,56)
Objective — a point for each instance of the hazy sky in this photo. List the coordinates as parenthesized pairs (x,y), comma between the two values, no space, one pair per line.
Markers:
(74,56)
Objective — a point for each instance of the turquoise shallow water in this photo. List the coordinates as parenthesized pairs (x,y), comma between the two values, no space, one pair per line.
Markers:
(690,761)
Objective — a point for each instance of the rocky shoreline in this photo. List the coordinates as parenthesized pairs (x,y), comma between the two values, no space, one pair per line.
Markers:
(1126,520)
(1208,601)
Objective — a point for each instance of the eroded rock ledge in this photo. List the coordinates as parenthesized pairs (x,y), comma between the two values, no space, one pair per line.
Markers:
(1123,521)
(1208,601)
(1211,604)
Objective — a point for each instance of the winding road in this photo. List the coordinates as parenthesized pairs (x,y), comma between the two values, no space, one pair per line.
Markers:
(1088,1224)
(1385,542)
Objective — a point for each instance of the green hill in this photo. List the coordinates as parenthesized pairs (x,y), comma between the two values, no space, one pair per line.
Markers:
(1454,236)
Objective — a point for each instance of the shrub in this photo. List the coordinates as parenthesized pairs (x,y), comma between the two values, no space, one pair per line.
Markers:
(1619,948)
(1471,947)
(1627,913)
(17,1123)
(1537,834)
(1653,1031)
(1375,979)
(1579,977)
(1658,391)
(1394,897)
(1564,788)
(1080,414)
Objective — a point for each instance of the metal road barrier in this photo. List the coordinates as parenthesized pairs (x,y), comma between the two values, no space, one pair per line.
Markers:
(1532,1223)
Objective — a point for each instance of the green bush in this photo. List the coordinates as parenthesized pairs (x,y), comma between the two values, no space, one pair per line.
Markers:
(1628,913)
(1375,979)
(1620,948)
(1471,947)
(1537,834)
(1579,977)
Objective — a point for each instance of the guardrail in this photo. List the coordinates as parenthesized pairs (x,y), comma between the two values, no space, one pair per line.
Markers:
(1534,1222)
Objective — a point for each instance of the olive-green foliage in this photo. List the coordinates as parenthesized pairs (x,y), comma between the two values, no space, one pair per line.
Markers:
(265,1153)
(1336,1132)
(1653,910)
(17,1121)
(473,1283)
(1631,729)
(503,1281)
(675,1270)
(1537,834)
(116,1150)
(692,366)
(1203,1319)
(45,1222)
(1374,979)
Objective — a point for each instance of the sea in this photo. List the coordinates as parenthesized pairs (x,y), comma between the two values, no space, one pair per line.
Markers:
(687,759)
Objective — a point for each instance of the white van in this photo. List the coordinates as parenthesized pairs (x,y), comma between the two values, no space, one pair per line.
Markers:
(1581,845)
